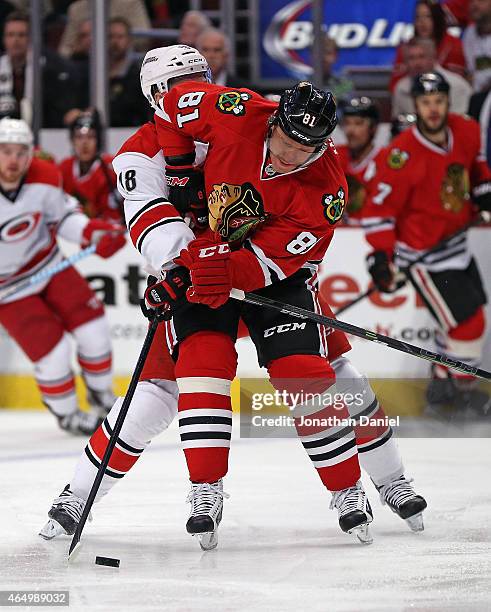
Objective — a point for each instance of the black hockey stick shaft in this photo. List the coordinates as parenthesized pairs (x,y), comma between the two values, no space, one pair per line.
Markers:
(483,217)
(115,434)
(354,330)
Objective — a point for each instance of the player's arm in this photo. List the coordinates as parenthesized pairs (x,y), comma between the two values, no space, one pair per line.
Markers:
(388,191)
(480,174)
(156,228)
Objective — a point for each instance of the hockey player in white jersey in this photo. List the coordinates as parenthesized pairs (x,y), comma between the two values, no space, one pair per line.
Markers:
(158,232)
(34,211)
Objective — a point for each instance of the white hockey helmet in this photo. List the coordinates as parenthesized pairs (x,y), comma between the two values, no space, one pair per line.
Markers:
(162,64)
(16,131)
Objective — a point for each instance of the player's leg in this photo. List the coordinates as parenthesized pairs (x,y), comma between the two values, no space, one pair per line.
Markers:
(152,409)
(82,314)
(204,340)
(455,298)
(378,452)
(38,331)
(295,353)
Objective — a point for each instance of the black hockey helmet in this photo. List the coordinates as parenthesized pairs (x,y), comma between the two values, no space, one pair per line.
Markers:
(428,83)
(306,114)
(402,122)
(88,120)
(361,107)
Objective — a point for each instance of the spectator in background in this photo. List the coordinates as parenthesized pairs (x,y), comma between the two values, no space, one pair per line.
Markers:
(192,25)
(133,11)
(477,44)
(420,56)
(5,9)
(341,88)
(88,175)
(214,45)
(430,23)
(126,108)
(59,80)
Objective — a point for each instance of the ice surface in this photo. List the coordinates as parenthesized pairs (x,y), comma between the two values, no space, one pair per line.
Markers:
(280,547)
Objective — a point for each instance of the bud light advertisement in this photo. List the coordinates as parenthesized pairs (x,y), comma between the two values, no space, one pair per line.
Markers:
(367,33)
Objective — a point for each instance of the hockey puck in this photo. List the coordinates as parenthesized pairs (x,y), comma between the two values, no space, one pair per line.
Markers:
(107,561)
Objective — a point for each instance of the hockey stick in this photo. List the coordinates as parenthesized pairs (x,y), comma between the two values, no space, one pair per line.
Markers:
(47,273)
(348,328)
(75,544)
(483,217)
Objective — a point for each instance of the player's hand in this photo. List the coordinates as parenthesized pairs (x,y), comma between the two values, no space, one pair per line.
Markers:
(208,267)
(108,237)
(481,195)
(164,295)
(386,276)
(187,192)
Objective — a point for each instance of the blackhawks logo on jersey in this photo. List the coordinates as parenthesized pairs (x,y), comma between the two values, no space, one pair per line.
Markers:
(454,190)
(334,206)
(234,211)
(357,194)
(231,102)
(397,159)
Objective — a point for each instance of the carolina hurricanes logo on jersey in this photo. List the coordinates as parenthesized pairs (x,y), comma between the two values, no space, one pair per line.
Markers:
(20,227)
(334,206)
(235,210)
(454,191)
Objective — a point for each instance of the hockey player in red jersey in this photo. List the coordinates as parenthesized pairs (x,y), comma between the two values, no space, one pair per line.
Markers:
(158,234)
(433,181)
(360,154)
(34,210)
(88,174)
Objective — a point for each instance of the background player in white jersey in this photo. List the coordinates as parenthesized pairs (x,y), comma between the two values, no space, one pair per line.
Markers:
(34,210)
(158,232)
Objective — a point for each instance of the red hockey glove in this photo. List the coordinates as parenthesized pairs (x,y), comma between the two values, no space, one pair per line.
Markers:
(166,294)
(187,193)
(109,237)
(386,276)
(208,265)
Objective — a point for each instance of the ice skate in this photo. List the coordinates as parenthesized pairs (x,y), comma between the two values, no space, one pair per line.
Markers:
(101,402)
(206,501)
(355,513)
(64,515)
(401,498)
(80,423)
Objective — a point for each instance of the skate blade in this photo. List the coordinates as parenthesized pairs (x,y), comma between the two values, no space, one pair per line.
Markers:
(208,541)
(362,533)
(51,530)
(415,522)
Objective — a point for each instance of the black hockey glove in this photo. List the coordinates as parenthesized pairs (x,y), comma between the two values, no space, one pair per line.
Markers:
(187,193)
(165,296)
(386,276)
(481,195)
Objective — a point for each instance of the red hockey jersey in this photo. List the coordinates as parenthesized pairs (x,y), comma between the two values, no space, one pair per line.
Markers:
(96,190)
(293,214)
(422,192)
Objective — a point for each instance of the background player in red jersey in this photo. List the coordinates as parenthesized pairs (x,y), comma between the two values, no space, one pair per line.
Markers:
(432,183)
(34,210)
(88,174)
(360,154)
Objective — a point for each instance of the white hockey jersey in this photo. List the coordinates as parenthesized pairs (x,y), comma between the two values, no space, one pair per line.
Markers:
(29,223)
(156,229)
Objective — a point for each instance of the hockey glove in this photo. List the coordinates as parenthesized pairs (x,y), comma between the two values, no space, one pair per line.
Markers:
(208,265)
(187,193)
(166,294)
(386,276)
(109,237)
(481,195)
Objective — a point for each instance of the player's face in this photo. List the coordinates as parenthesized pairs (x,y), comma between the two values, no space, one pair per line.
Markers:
(14,160)
(85,145)
(287,154)
(358,131)
(432,111)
